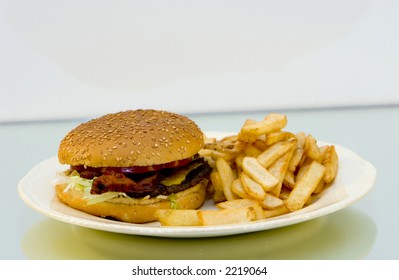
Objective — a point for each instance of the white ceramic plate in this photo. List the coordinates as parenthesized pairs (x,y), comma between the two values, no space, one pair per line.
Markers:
(356,177)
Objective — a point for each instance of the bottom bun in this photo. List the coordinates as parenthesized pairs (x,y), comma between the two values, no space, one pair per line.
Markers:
(133,210)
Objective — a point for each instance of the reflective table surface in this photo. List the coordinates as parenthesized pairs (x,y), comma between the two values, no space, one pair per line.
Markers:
(368,229)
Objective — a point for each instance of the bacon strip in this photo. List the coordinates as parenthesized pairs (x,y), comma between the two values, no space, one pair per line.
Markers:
(147,185)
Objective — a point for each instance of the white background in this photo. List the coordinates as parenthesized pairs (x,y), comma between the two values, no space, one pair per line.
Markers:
(73,59)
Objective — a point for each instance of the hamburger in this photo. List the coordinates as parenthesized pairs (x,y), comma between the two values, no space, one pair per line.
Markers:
(126,165)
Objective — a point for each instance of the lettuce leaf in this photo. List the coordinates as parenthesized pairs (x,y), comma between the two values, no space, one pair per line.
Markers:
(84,185)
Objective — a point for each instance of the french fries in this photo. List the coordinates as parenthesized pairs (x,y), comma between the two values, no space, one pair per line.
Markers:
(261,172)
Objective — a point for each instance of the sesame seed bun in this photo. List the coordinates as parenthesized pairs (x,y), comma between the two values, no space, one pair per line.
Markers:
(131,138)
(133,210)
(137,140)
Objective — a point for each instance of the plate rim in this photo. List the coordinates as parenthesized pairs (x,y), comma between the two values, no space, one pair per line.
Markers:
(25,187)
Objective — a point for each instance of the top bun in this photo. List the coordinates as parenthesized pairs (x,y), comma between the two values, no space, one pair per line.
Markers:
(131,138)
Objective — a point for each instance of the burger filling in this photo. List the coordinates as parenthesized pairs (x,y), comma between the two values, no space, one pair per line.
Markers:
(163,181)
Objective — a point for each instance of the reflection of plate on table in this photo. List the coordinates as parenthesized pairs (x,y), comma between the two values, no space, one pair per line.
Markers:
(356,177)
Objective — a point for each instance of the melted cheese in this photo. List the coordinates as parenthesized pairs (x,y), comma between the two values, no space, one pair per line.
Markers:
(180,176)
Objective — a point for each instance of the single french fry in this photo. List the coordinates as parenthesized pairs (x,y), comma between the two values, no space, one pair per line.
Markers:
(209,140)
(252,188)
(323,151)
(271,122)
(284,193)
(251,151)
(276,212)
(227,156)
(273,152)
(237,203)
(311,148)
(205,152)
(218,194)
(260,144)
(238,189)
(247,137)
(169,217)
(279,168)
(304,167)
(258,173)
(239,159)
(310,199)
(303,160)
(244,203)
(320,186)
(305,186)
(298,152)
(271,202)
(226,176)
(225,216)
(277,136)
(229,144)
(258,211)
(296,159)
(330,161)
(289,179)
